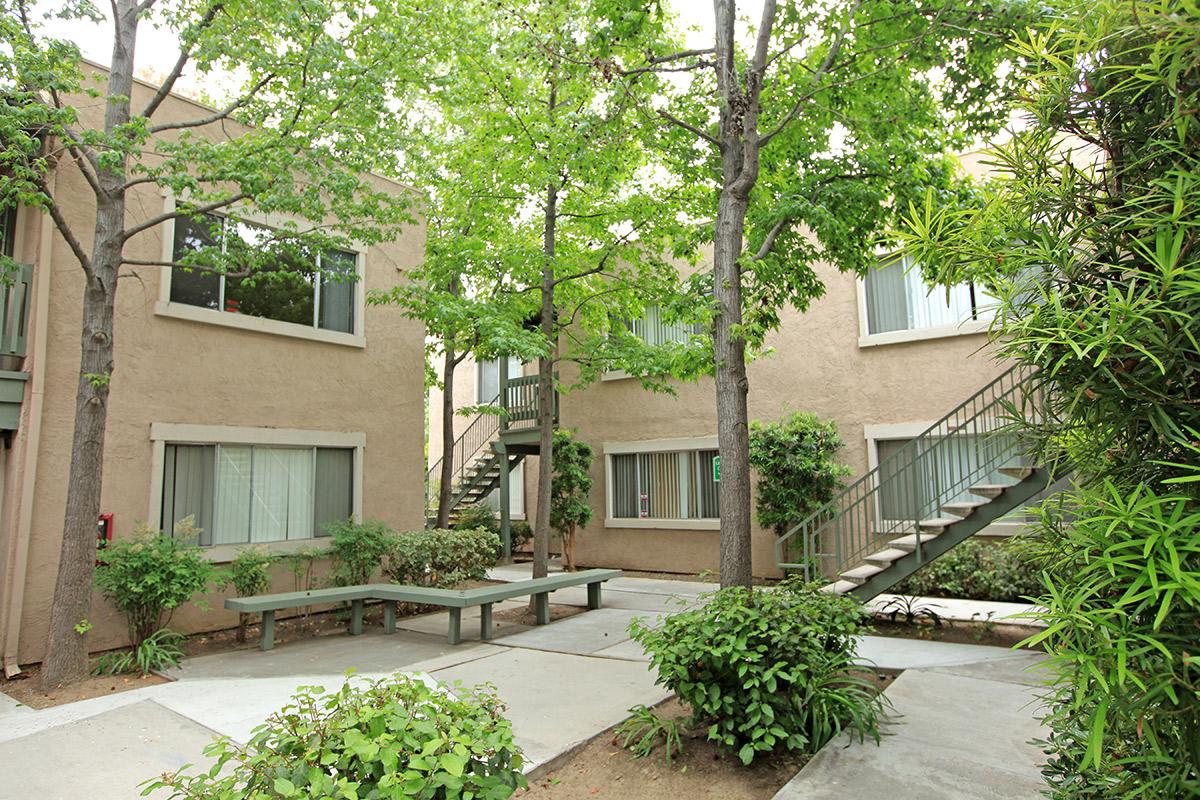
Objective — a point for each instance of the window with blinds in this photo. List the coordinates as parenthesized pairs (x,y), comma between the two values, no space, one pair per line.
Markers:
(675,484)
(898,299)
(487,378)
(241,494)
(908,487)
(655,331)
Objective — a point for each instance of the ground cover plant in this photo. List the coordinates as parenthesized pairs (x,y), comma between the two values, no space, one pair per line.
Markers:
(977,570)
(396,738)
(1089,237)
(768,670)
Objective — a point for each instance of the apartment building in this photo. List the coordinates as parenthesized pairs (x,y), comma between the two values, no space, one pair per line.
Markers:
(262,416)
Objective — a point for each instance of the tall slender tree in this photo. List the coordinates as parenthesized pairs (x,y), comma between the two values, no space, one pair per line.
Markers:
(313,83)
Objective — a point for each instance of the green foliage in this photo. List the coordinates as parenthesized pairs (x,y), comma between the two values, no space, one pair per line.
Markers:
(767,670)
(441,558)
(977,570)
(358,549)
(161,650)
(302,564)
(477,516)
(1088,235)
(643,732)
(521,532)
(569,487)
(150,574)
(250,570)
(797,464)
(397,737)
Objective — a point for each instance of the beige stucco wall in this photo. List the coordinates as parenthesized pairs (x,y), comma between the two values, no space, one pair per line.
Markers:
(171,370)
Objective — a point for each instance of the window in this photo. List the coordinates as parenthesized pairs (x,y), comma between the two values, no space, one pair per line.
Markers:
(897,299)
(676,484)
(320,295)
(906,496)
(487,383)
(241,494)
(516,493)
(8,231)
(654,331)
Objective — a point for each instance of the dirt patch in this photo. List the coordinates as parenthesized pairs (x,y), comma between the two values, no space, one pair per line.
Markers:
(958,631)
(27,689)
(602,768)
(523,616)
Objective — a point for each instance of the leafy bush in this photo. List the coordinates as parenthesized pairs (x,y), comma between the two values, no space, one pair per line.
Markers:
(767,669)
(569,488)
(150,574)
(393,738)
(441,558)
(521,532)
(976,570)
(250,573)
(358,549)
(796,460)
(160,650)
(477,516)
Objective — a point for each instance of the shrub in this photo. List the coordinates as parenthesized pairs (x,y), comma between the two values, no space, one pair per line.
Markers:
(396,737)
(477,516)
(521,532)
(976,570)
(796,460)
(442,558)
(767,669)
(150,574)
(162,649)
(569,488)
(250,573)
(358,549)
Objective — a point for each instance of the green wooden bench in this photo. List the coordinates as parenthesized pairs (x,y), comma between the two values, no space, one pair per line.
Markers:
(454,600)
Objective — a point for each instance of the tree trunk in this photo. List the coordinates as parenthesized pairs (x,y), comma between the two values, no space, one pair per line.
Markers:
(447,474)
(545,393)
(66,650)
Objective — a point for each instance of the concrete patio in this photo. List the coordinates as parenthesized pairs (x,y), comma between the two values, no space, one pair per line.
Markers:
(563,684)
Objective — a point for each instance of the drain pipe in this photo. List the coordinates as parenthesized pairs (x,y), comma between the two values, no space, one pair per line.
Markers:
(30,436)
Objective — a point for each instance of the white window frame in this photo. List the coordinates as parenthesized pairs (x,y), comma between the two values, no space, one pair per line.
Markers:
(611,449)
(516,371)
(164,307)
(163,433)
(867,339)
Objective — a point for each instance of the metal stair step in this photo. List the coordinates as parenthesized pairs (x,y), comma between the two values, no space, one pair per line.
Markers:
(938,523)
(1017,471)
(838,587)
(860,575)
(885,558)
(965,508)
(909,543)
(988,490)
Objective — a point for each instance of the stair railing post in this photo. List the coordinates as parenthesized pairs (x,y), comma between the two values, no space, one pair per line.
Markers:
(916,496)
(505,512)
(503,393)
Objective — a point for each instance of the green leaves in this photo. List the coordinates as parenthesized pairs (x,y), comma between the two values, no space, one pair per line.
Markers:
(571,483)
(796,460)
(767,669)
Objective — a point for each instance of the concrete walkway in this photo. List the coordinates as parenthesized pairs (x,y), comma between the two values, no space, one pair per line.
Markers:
(964,717)
(563,684)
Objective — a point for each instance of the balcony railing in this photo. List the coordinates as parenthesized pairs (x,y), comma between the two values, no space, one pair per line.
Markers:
(14,310)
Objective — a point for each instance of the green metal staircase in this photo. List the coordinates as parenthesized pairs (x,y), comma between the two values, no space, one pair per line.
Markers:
(508,434)
(963,473)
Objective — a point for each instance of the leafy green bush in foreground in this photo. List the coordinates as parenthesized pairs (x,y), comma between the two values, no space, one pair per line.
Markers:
(393,738)
(768,669)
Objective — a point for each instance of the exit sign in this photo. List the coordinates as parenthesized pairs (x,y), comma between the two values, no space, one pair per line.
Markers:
(716,469)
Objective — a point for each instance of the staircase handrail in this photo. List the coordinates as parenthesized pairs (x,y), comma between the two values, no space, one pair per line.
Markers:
(482,431)
(979,415)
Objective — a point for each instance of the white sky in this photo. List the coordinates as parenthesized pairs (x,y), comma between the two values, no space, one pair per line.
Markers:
(157,50)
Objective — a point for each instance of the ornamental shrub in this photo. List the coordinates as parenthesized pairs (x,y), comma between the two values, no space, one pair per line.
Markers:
(150,574)
(441,558)
(480,515)
(768,669)
(250,573)
(393,738)
(569,488)
(358,549)
(796,461)
(977,570)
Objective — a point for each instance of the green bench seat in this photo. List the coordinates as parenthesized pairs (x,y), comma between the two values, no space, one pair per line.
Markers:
(455,600)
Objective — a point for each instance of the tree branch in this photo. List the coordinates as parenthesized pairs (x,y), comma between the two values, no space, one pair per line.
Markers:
(166,216)
(216,116)
(765,248)
(689,127)
(64,227)
(185,54)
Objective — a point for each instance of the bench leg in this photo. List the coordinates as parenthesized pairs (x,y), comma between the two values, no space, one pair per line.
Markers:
(389,616)
(454,636)
(268,631)
(541,608)
(356,616)
(485,622)
(593,596)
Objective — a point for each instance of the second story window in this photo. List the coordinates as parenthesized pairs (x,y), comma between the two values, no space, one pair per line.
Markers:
(315,295)
(487,384)
(8,231)
(652,329)
(898,299)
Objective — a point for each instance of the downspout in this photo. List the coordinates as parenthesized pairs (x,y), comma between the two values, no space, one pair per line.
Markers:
(30,436)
